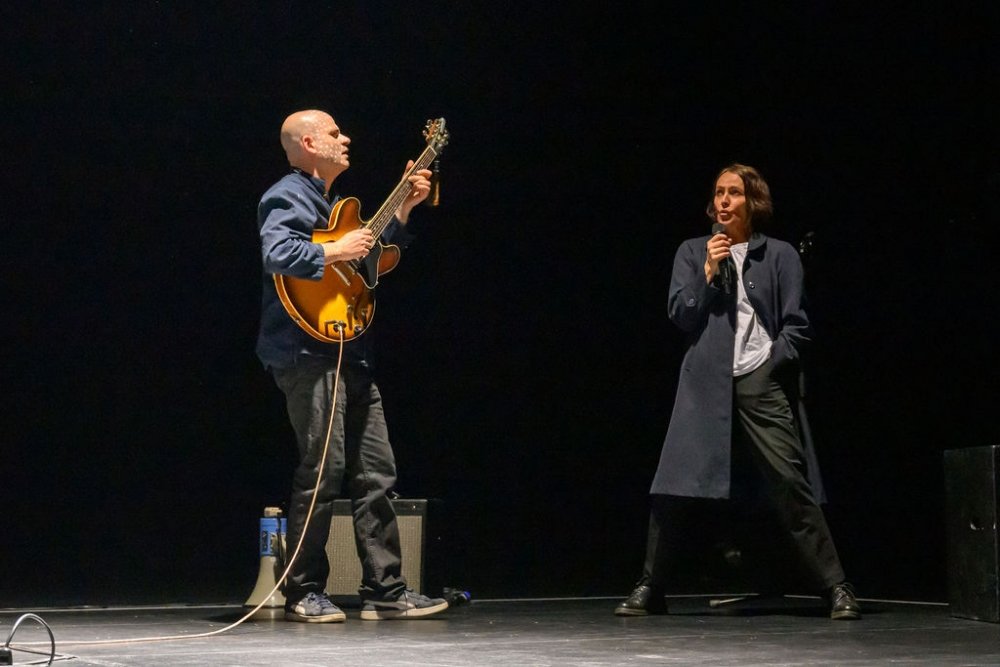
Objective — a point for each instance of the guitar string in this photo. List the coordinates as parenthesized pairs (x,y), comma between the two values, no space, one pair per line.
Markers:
(380,220)
(401,192)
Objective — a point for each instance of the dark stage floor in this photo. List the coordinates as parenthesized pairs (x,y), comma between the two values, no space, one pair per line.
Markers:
(788,631)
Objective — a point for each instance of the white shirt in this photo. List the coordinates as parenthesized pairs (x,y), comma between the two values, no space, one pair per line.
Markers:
(753,346)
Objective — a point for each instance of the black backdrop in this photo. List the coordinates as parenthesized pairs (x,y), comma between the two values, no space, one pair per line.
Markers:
(523,349)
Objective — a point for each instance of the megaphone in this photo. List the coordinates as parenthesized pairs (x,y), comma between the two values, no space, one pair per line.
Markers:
(266,593)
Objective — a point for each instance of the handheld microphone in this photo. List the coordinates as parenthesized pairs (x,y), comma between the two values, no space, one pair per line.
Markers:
(726,265)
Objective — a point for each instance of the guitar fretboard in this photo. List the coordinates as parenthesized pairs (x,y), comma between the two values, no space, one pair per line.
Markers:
(383,216)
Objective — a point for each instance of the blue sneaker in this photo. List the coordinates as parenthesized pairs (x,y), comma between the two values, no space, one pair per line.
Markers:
(408,605)
(314,608)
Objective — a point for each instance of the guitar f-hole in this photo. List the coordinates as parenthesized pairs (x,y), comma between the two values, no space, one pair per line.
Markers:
(343,276)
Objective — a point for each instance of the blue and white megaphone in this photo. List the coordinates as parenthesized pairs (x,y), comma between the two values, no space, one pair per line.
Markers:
(273,528)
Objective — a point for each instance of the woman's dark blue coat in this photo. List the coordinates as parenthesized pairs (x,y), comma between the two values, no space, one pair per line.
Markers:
(695,460)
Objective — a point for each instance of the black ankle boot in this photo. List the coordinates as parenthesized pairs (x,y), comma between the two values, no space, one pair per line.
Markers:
(642,601)
(843,605)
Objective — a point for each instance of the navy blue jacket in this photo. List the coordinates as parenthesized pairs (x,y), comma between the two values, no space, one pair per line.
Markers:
(695,459)
(287,215)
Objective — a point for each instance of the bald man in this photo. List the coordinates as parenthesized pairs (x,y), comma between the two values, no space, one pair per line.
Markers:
(306,370)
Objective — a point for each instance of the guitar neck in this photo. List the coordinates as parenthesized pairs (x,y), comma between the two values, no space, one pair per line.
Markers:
(383,216)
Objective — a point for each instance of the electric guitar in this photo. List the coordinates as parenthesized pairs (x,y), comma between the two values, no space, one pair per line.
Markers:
(340,305)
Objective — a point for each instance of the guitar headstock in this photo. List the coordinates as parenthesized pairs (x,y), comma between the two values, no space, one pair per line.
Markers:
(436,134)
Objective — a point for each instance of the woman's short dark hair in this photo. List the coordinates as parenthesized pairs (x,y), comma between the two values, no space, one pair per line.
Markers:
(758,194)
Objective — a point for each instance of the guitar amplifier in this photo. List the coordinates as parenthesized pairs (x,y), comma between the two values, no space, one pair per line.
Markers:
(345,569)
